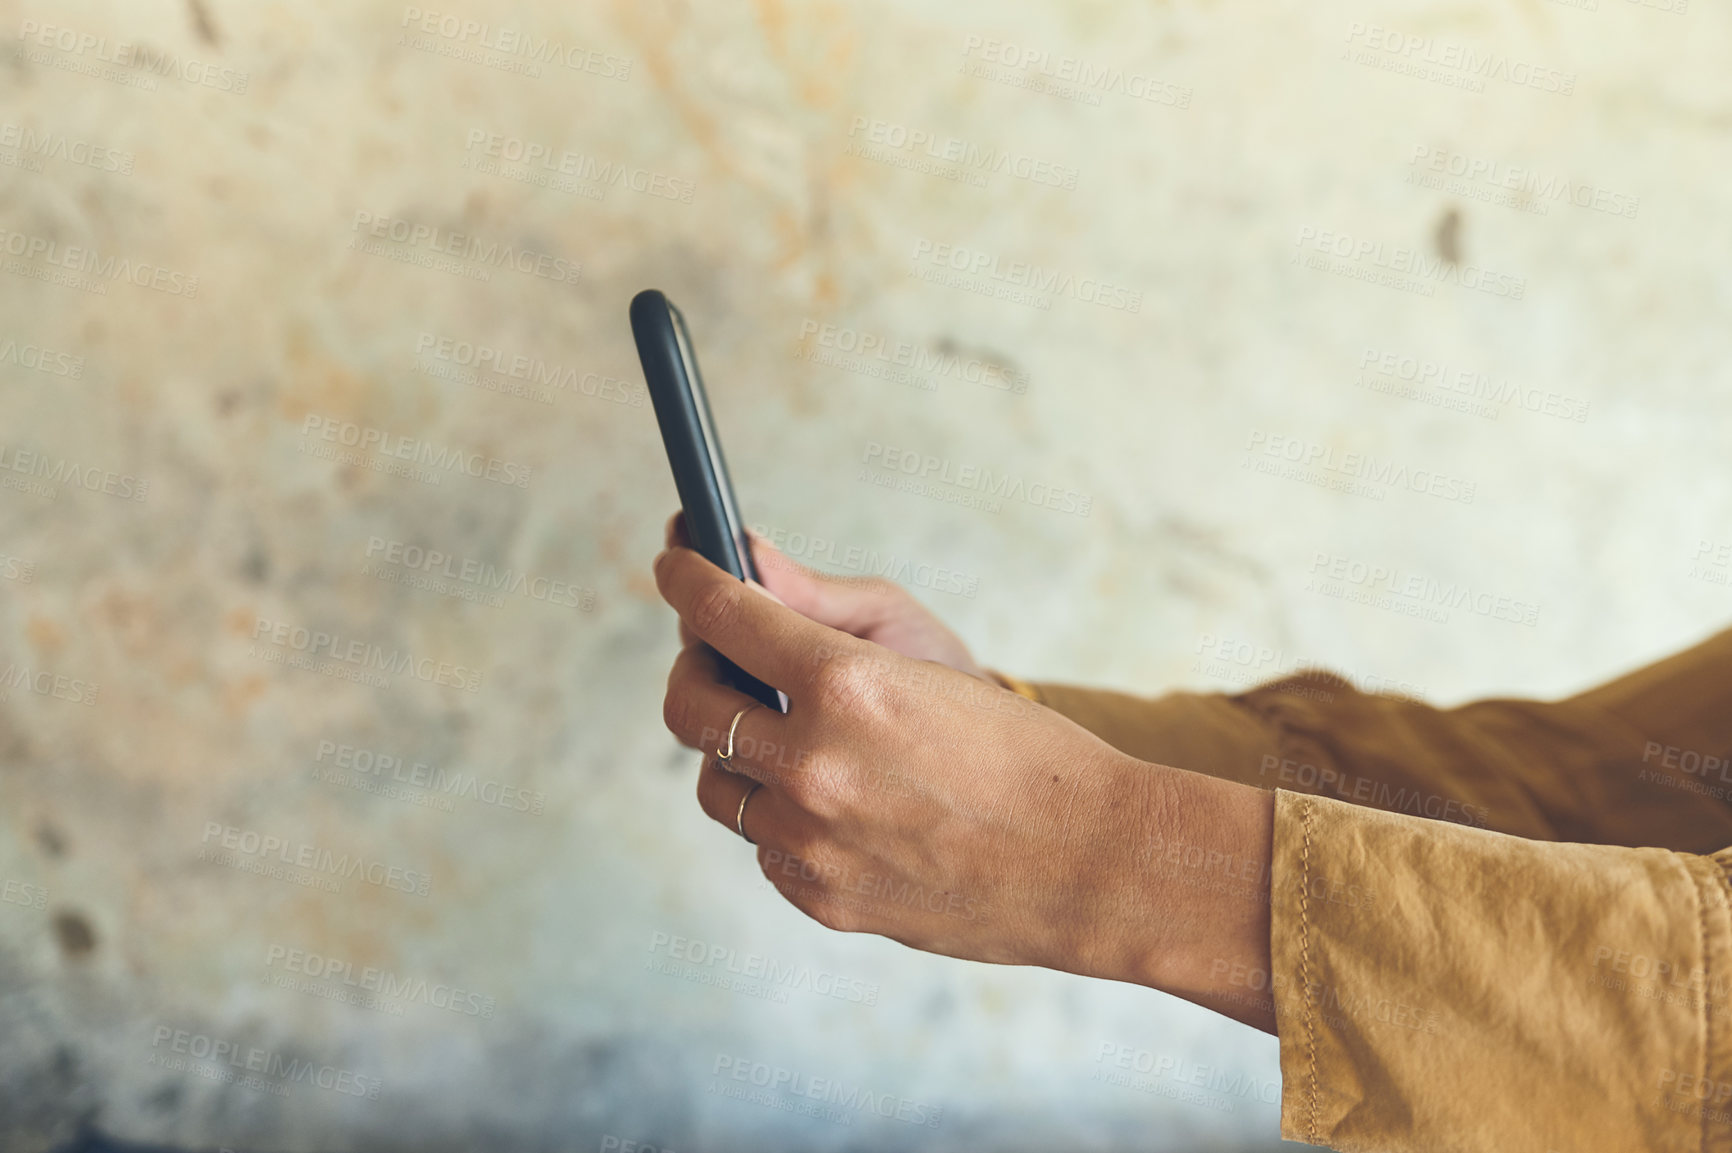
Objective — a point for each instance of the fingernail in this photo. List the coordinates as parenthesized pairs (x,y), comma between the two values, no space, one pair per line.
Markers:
(656,565)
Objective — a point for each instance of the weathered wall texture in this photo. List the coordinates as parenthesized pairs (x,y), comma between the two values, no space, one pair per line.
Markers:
(1270,185)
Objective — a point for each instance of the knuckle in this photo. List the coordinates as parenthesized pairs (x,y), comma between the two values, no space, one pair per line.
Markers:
(715,607)
(794,786)
(819,790)
(841,681)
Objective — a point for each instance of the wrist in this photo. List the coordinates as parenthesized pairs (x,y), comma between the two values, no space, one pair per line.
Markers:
(1201,864)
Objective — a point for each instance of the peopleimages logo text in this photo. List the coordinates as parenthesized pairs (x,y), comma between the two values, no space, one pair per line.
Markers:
(942,470)
(579,166)
(534,371)
(122,54)
(514,42)
(831,1091)
(59,470)
(967,154)
(1527,181)
(759,967)
(468,570)
(1439,375)
(365,438)
(58,146)
(1089,79)
(40,359)
(380,982)
(463,246)
(365,762)
(1022,275)
(867,346)
(1404,261)
(86,261)
(1392,581)
(300,855)
(1471,63)
(19,893)
(44,683)
(269,1062)
(1359,466)
(365,654)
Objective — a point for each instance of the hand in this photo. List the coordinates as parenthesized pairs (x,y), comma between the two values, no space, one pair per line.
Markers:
(906,798)
(870,608)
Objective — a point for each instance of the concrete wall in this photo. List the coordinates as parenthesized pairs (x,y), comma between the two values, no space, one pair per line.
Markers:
(1258,180)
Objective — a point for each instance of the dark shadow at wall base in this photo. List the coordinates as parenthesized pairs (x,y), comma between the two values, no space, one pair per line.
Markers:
(92,1140)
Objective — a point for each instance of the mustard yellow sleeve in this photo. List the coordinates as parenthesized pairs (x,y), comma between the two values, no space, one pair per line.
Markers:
(1438,987)
(1642,760)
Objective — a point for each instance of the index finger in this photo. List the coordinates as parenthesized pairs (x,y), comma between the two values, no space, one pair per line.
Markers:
(748,626)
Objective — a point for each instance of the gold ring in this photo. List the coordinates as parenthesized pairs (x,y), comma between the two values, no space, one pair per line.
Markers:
(740,817)
(729,755)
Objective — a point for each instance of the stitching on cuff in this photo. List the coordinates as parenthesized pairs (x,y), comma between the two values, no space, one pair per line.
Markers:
(1707,984)
(1305,967)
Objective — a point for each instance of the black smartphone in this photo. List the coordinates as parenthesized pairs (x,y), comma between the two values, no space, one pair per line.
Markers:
(670,368)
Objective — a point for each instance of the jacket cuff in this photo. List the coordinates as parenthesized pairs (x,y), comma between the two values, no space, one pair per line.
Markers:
(1440,987)
(1016,685)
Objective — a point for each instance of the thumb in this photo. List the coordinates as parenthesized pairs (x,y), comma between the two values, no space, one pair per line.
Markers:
(845,603)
